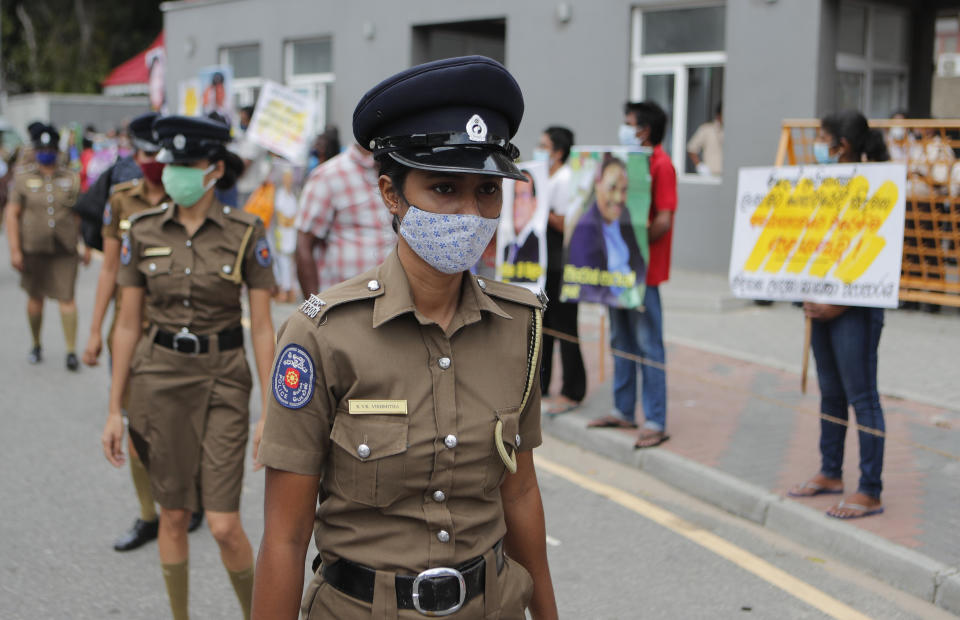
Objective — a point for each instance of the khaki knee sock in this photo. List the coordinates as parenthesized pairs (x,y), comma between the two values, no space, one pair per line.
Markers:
(177,578)
(243,585)
(69,320)
(141,484)
(36,322)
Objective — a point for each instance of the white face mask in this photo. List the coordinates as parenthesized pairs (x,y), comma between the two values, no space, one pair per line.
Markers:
(898,133)
(627,135)
(450,243)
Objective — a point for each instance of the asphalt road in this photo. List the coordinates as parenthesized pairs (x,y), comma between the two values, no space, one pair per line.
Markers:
(622,545)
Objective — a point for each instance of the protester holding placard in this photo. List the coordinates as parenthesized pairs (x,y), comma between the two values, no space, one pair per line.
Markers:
(845,341)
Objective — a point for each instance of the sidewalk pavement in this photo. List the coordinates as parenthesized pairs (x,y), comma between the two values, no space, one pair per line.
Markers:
(742,433)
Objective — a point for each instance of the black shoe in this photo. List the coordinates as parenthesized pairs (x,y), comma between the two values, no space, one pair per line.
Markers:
(196,520)
(140,534)
(73,364)
(35,356)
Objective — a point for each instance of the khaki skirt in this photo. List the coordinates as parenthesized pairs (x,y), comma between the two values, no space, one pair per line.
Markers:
(189,420)
(50,275)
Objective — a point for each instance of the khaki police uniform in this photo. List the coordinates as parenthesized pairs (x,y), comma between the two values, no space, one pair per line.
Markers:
(399,419)
(49,231)
(126,200)
(188,410)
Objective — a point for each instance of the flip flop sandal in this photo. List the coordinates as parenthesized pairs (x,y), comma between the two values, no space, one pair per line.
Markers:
(865,512)
(817,489)
(645,442)
(610,422)
(560,408)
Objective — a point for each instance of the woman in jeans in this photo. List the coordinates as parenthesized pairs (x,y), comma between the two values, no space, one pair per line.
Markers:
(845,341)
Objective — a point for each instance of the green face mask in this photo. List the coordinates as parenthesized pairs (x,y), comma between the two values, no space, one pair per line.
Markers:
(185,184)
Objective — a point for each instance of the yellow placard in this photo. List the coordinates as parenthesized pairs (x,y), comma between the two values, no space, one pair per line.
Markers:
(381,407)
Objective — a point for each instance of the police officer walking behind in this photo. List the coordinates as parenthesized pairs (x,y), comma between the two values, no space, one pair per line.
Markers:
(43,231)
(410,395)
(184,264)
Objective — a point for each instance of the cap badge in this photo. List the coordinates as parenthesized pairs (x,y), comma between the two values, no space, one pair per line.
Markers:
(179,141)
(45,138)
(476,129)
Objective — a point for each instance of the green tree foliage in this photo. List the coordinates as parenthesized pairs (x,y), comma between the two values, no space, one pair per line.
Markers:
(71,45)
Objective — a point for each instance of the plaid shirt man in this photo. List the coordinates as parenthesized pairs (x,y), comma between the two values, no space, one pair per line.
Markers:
(340,205)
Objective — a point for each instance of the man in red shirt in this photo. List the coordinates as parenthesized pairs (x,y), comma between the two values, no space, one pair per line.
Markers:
(640,332)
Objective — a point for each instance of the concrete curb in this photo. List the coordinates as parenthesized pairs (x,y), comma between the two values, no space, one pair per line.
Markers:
(904,569)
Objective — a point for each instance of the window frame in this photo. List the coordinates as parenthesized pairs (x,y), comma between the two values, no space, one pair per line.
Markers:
(319,83)
(867,65)
(245,90)
(678,65)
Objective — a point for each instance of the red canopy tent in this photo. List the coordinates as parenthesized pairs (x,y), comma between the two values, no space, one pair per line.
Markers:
(130,77)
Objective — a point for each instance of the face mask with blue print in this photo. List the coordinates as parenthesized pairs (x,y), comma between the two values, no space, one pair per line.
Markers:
(46,158)
(821,153)
(627,134)
(450,243)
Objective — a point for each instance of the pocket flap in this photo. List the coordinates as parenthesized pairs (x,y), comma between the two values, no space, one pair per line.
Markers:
(511,425)
(367,438)
(155,265)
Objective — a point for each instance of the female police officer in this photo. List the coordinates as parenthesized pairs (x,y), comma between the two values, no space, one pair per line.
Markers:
(407,393)
(188,380)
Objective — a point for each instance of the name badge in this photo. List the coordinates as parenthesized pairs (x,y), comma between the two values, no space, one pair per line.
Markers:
(158,252)
(382,407)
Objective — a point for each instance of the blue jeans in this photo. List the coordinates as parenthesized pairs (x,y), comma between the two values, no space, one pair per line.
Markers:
(845,349)
(640,333)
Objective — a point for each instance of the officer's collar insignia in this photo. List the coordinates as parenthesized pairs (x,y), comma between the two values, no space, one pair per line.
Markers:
(179,141)
(476,129)
(311,306)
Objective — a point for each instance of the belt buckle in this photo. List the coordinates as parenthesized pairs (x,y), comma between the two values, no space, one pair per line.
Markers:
(189,337)
(438,572)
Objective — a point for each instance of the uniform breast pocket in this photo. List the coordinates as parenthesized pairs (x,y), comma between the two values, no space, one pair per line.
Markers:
(156,266)
(496,468)
(368,457)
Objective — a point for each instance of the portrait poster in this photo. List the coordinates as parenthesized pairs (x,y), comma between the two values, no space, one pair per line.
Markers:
(216,91)
(606,249)
(283,122)
(157,79)
(827,234)
(188,97)
(522,236)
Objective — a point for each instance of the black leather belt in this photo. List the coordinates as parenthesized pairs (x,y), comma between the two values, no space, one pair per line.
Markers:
(434,592)
(193,344)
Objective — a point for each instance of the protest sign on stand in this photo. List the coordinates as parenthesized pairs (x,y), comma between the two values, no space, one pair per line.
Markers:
(283,122)
(827,234)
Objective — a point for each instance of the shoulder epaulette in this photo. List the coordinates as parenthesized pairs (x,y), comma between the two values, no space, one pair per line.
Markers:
(514,293)
(136,217)
(364,286)
(125,185)
(240,215)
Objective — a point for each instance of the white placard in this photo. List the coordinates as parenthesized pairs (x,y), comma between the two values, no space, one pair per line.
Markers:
(283,122)
(827,234)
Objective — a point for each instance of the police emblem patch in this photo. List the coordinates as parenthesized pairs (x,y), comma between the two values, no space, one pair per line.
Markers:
(293,377)
(107,215)
(262,250)
(125,251)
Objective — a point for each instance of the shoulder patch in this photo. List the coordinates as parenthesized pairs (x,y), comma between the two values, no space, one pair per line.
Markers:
(262,250)
(125,252)
(107,214)
(512,292)
(294,377)
(120,187)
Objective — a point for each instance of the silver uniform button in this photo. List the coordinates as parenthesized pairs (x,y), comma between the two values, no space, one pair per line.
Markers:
(373,285)
(51,224)
(50,210)
(189,243)
(153,267)
(439,496)
(226,269)
(186,302)
(49,187)
(483,285)
(49,197)
(518,441)
(187,271)
(443,363)
(363,450)
(450,441)
(226,210)
(443,536)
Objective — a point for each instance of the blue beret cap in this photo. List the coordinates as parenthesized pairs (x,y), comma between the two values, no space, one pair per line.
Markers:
(456,114)
(141,132)
(185,139)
